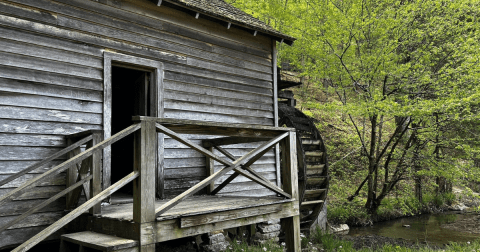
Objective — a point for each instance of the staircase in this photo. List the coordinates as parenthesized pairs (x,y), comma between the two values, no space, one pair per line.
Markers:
(87,240)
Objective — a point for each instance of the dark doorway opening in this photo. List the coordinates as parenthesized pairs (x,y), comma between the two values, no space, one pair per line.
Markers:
(130,97)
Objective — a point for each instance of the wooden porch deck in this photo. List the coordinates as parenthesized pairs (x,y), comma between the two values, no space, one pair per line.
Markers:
(202,205)
(193,216)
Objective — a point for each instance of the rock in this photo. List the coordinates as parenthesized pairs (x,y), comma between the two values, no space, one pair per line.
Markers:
(269,228)
(215,247)
(407,226)
(267,236)
(338,229)
(458,207)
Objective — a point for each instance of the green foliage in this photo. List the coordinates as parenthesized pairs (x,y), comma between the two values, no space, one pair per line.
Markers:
(243,246)
(369,64)
(330,242)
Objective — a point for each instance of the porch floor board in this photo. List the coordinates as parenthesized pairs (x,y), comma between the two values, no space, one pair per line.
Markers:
(195,205)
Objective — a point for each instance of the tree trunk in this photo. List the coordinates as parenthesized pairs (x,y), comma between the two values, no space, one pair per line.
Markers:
(372,165)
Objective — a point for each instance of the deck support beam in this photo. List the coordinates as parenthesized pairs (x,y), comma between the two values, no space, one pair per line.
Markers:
(145,147)
(291,225)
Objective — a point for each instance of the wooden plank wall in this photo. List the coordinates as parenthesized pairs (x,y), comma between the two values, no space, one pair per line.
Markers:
(51,84)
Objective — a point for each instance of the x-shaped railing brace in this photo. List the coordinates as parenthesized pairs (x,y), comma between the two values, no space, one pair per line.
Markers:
(245,162)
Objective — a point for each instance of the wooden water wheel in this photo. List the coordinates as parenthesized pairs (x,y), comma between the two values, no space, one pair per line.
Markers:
(312,163)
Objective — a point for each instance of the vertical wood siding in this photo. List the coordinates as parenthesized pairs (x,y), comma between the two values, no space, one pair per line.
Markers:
(51,84)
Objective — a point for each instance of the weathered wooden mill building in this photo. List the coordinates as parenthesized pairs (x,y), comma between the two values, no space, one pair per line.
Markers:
(167,106)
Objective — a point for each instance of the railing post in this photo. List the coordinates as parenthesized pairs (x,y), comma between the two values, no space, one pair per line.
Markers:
(96,171)
(71,173)
(145,148)
(291,225)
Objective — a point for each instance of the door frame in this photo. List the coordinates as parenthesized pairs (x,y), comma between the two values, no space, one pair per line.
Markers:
(156,107)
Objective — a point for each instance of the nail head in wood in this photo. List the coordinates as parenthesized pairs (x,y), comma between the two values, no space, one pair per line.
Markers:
(255,33)
(197,15)
(228,25)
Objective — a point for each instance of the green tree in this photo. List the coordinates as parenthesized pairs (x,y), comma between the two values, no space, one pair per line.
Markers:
(403,73)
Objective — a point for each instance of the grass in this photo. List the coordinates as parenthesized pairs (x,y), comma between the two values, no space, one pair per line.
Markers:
(325,242)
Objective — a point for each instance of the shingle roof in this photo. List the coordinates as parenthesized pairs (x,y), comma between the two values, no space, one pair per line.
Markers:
(224,11)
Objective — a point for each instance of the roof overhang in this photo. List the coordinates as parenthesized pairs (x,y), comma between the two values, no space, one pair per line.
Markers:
(224,20)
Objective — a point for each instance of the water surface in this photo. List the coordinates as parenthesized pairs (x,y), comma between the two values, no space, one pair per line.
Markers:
(428,228)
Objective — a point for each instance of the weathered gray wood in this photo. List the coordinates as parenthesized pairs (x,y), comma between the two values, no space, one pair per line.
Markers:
(22,206)
(65,165)
(42,192)
(35,101)
(33,50)
(249,169)
(186,19)
(164,20)
(39,127)
(144,164)
(129,36)
(216,100)
(231,140)
(45,203)
(75,213)
(227,215)
(99,241)
(154,22)
(21,61)
(35,14)
(275,108)
(21,113)
(226,82)
(38,219)
(200,116)
(290,185)
(141,30)
(13,236)
(207,128)
(95,170)
(46,160)
(253,154)
(217,109)
(7,139)
(210,166)
(107,119)
(202,90)
(168,230)
(50,42)
(72,176)
(261,180)
(83,97)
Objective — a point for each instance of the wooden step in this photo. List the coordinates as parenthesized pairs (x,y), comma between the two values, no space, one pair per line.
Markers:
(314,193)
(310,142)
(315,169)
(317,181)
(313,153)
(98,241)
(309,203)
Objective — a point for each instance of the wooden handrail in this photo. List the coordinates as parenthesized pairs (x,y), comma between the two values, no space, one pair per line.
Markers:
(241,161)
(75,213)
(45,203)
(210,154)
(65,165)
(46,160)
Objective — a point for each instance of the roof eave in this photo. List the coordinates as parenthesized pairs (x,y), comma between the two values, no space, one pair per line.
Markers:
(276,36)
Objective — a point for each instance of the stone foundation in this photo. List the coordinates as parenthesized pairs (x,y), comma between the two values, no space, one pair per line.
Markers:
(267,231)
(214,242)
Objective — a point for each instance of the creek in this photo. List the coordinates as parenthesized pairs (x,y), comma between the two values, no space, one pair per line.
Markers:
(436,229)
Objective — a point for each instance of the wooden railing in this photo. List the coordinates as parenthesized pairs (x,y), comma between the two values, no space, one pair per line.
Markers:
(92,152)
(88,137)
(145,168)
